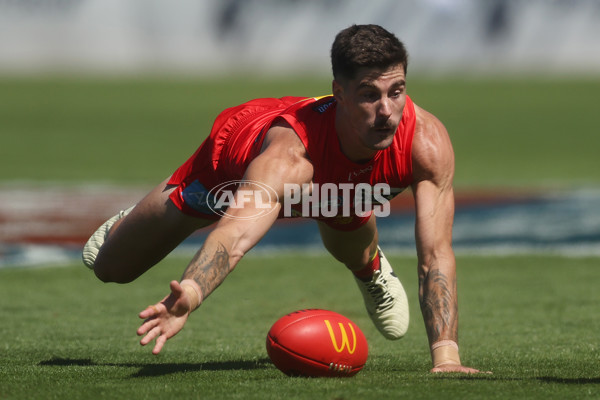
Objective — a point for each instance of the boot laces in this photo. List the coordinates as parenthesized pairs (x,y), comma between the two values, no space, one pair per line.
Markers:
(379,293)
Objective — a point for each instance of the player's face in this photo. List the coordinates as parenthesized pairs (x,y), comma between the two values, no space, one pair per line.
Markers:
(370,106)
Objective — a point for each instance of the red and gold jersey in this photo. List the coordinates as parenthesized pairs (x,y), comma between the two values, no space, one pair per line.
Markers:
(238,132)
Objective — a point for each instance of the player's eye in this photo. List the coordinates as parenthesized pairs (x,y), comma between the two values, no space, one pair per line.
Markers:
(397,92)
(369,96)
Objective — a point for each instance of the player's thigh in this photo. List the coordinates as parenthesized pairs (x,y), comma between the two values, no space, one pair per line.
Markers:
(353,248)
(145,236)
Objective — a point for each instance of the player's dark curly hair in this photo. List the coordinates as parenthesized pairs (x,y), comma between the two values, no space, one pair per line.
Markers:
(369,46)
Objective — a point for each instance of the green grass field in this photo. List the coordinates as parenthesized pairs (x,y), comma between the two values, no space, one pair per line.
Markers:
(533,321)
(510,133)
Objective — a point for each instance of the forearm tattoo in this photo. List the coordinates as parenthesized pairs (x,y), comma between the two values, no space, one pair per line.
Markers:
(439,306)
(209,268)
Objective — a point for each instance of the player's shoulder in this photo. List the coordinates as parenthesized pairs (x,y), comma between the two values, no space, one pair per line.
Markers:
(282,133)
(427,124)
(282,142)
(282,158)
(432,151)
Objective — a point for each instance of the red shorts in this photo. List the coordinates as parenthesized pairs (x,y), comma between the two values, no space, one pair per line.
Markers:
(235,139)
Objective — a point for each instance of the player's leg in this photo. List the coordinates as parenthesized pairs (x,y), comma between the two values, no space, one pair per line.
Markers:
(384,296)
(354,248)
(144,236)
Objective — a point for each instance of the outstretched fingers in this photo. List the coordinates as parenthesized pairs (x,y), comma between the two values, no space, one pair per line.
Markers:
(160,342)
(151,326)
(165,319)
(147,326)
(150,311)
(154,333)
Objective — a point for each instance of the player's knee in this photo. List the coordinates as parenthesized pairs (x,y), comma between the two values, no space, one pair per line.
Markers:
(102,275)
(353,258)
(111,273)
(108,277)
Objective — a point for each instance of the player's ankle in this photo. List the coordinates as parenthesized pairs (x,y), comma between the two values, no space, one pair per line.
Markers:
(372,266)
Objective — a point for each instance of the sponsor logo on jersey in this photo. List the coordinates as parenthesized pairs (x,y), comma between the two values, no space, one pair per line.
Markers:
(321,108)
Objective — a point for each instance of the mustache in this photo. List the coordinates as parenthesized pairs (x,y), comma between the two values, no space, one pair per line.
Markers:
(387,124)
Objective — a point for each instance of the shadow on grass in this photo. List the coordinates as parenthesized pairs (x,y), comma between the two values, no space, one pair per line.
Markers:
(149,370)
(569,381)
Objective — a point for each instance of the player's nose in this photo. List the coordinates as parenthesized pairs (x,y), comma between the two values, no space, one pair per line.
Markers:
(384,110)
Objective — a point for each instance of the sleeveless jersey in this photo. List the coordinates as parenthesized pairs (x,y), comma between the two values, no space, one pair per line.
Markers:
(238,133)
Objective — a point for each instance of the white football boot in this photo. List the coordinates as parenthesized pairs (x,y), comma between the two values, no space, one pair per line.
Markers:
(92,247)
(386,301)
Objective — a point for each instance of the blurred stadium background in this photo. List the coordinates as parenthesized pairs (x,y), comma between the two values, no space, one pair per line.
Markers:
(188,44)
(291,36)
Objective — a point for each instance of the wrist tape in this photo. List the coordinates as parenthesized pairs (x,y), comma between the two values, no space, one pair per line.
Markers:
(193,291)
(445,352)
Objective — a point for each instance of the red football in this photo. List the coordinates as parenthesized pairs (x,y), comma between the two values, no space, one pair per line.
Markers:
(317,343)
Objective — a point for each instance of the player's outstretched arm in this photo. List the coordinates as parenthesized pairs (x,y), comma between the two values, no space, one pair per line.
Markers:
(281,161)
(433,168)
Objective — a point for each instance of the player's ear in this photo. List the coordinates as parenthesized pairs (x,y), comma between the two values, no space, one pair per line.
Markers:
(338,90)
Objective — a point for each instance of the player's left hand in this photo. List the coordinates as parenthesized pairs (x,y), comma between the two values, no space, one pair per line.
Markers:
(165,319)
(445,368)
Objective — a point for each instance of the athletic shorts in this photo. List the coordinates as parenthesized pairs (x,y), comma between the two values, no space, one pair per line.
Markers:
(204,170)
